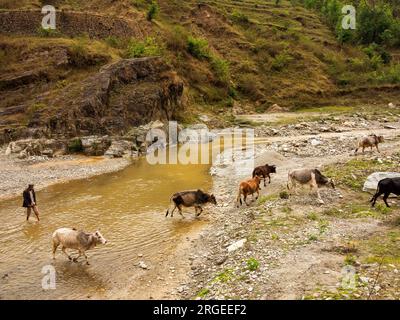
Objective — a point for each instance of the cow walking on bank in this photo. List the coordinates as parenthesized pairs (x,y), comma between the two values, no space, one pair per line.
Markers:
(311,177)
(77,240)
(264,172)
(385,188)
(247,188)
(370,142)
(191,198)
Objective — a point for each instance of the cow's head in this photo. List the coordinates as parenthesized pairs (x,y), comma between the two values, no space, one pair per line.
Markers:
(257,179)
(272,169)
(331,184)
(99,238)
(212,200)
(380,139)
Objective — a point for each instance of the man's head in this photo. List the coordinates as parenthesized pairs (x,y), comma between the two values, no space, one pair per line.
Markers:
(30,187)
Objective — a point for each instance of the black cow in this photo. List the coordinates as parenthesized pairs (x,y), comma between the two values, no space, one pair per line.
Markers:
(386,187)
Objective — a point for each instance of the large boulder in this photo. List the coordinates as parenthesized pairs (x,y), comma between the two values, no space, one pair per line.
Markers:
(95,145)
(35,147)
(371,184)
(121,148)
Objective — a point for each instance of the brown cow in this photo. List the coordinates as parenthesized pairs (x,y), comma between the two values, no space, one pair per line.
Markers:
(370,141)
(248,187)
(264,171)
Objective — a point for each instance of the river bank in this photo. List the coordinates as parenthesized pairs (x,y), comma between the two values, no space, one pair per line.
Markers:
(16,174)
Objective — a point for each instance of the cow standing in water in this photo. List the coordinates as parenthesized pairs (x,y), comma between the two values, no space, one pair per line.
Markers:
(77,240)
(192,198)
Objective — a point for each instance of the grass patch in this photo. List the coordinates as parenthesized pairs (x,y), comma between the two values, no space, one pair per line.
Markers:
(224,276)
(203,292)
(384,248)
(354,173)
(252,264)
(146,48)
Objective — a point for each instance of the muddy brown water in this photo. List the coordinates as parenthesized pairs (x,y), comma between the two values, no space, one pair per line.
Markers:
(129,209)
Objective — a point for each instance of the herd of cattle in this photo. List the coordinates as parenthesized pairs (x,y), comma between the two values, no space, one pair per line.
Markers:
(82,241)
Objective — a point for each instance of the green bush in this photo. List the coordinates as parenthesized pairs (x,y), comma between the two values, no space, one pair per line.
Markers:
(47,33)
(75,146)
(376,22)
(239,17)
(281,61)
(177,39)
(221,69)
(114,42)
(146,48)
(198,47)
(252,264)
(153,11)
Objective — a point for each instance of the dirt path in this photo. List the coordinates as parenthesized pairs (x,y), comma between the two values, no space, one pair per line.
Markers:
(278,232)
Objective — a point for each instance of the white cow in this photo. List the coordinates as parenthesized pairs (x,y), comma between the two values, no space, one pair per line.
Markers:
(77,240)
(312,177)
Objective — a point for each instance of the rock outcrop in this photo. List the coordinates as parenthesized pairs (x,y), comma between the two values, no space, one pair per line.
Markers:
(128,93)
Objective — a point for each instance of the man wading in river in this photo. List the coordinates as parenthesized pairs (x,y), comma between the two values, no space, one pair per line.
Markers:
(30,202)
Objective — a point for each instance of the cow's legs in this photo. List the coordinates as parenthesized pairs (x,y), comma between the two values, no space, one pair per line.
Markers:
(315,186)
(79,255)
(201,211)
(375,197)
(377,148)
(86,257)
(269,177)
(385,197)
(180,211)
(245,200)
(265,182)
(292,185)
(65,252)
(172,212)
(55,246)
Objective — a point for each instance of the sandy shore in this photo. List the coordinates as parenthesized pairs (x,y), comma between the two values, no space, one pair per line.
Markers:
(16,174)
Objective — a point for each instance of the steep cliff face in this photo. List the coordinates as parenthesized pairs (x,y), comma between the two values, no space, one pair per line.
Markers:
(127,93)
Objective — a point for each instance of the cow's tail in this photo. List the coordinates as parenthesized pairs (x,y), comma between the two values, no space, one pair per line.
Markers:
(254,173)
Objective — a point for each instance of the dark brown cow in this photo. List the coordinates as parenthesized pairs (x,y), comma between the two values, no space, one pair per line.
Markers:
(192,198)
(264,172)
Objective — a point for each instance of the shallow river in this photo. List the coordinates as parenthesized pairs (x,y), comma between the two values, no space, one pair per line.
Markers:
(129,209)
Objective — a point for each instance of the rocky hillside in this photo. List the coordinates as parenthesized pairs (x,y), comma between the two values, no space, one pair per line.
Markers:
(232,56)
